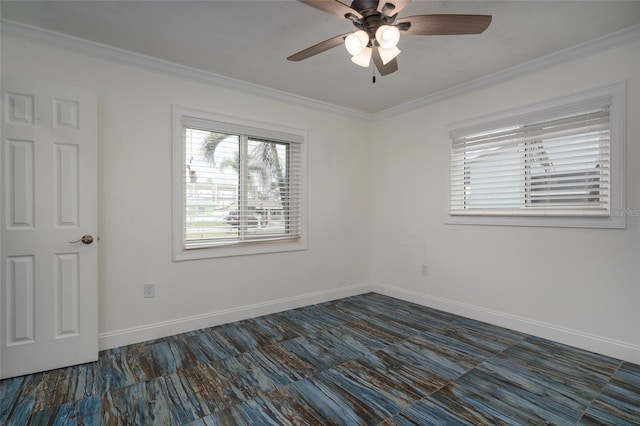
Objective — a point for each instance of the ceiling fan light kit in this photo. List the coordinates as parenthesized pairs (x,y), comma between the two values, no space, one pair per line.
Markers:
(387,55)
(364,58)
(387,36)
(356,42)
(379,30)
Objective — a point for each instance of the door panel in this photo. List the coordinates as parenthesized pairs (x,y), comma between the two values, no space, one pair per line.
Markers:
(21,299)
(19,200)
(48,311)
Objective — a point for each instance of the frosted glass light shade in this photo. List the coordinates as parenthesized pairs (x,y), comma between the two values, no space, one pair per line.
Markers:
(387,55)
(356,42)
(364,58)
(387,36)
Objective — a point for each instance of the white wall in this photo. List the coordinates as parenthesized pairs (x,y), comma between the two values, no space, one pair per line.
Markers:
(580,286)
(134,108)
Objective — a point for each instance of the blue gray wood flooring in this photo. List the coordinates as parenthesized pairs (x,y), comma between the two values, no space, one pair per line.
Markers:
(368,359)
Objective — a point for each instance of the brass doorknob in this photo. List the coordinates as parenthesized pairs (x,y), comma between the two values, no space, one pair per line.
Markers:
(86,239)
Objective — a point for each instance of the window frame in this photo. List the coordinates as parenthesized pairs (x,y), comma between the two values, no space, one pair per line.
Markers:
(548,110)
(183,117)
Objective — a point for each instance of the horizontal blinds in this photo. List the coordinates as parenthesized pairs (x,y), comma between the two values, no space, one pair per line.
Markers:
(240,189)
(553,167)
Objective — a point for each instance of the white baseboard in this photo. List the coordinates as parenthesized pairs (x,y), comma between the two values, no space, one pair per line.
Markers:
(182,325)
(602,345)
(614,348)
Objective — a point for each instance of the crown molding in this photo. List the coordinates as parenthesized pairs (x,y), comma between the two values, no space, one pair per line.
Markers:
(618,38)
(89,48)
(81,46)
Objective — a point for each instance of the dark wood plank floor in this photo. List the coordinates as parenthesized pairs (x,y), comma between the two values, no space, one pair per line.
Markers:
(366,359)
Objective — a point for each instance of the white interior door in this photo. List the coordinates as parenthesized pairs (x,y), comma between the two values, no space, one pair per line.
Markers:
(49,310)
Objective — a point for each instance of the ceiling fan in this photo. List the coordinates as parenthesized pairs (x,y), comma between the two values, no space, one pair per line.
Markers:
(379,29)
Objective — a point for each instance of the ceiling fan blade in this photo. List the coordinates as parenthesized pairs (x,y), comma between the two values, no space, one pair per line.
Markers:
(333,7)
(444,24)
(391,66)
(318,48)
(391,7)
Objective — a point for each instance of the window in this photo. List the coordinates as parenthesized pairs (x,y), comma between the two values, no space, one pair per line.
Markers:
(238,186)
(560,163)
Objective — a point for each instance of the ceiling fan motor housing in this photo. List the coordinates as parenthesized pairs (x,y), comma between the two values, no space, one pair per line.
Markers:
(371,19)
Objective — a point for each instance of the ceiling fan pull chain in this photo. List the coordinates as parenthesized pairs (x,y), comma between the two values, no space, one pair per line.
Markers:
(373,77)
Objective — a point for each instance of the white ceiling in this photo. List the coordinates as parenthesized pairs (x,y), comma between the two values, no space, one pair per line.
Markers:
(250,40)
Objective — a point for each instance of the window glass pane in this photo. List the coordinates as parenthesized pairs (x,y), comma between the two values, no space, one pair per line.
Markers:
(488,180)
(268,187)
(568,171)
(211,184)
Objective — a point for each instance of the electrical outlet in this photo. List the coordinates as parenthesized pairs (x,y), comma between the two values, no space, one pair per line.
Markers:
(425,270)
(149,290)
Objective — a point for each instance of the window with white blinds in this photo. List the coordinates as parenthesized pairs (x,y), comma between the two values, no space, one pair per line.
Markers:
(241,187)
(559,161)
